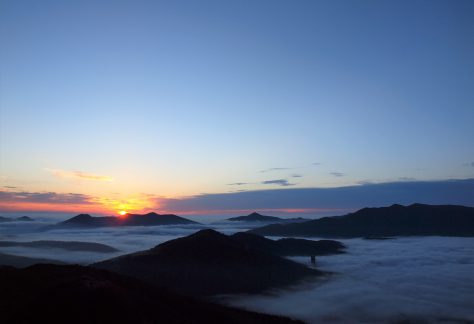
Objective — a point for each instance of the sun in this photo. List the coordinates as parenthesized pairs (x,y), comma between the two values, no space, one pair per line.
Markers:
(122,213)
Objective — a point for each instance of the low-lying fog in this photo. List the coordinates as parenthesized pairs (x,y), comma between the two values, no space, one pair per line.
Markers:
(127,239)
(423,279)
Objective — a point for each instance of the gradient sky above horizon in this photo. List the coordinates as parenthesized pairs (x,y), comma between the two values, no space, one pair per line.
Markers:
(126,100)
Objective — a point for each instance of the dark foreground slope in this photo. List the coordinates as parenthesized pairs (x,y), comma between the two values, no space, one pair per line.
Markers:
(208,263)
(396,220)
(75,294)
(150,219)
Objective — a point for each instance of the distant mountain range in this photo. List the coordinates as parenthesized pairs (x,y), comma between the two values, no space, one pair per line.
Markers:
(64,245)
(396,220)
(18,219)
(209,263)
(150,219)
(256,217)
(75,295)
(23,262)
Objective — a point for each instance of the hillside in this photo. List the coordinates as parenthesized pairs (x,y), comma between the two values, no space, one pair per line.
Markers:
(209,263)
(76,294)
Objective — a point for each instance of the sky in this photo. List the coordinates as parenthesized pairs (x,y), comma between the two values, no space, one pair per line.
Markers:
(155,105)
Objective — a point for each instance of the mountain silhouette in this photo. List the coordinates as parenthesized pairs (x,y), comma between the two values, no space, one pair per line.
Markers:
(22,262)
(209,263)
(289,246)
(396,220)
(150,219)
(256,217)
(77,294)
(18,219)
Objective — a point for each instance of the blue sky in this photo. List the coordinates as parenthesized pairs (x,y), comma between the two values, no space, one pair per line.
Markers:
(120,99)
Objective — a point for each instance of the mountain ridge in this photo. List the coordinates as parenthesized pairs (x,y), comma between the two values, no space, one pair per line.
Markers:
(208,263)
(257,217)
(395,220)
(149,219)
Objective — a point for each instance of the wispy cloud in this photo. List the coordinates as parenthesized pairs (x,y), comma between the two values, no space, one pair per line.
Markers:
(44,197)
(238,184)
(280,182)
(291,168)
(78,175)
(46,201)
(275,169)
(296,175)
(337,174)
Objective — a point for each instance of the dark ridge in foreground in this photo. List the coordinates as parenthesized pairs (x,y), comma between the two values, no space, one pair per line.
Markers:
(65,245)
(150,219)
(209,263)
(256,217)
(396,220)
(76,294)
(23,262)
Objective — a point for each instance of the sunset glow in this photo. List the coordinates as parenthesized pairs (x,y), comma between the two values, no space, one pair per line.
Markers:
(158,155)
(106,129)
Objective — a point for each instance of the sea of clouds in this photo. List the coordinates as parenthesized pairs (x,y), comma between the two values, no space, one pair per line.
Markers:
(414,279)
(127,239)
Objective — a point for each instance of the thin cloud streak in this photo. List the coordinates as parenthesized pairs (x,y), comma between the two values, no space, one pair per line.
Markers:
(47,201)
(44,197)
(238,184)
(290,168)
(78,175)
(275,169)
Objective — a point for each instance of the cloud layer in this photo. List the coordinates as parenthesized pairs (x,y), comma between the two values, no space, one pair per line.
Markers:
(44,197)
(415,280)
(319,201)
(350,198)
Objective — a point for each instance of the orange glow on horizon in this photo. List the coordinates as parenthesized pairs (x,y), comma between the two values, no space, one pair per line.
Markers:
(93,205)
(138,204)
(125,206)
